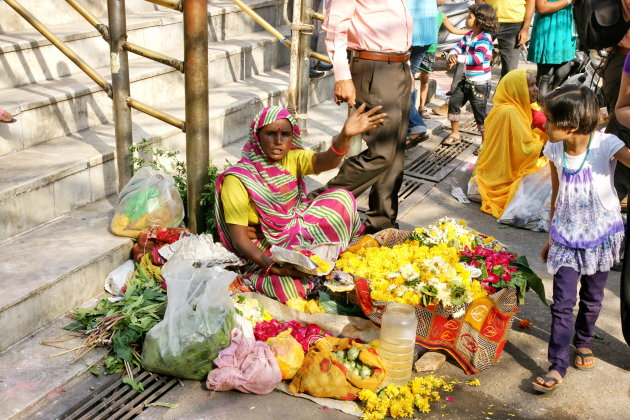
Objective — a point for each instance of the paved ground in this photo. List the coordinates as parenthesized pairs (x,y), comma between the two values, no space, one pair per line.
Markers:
(505,391)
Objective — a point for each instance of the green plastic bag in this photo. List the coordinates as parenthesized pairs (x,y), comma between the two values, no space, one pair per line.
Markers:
(197,325)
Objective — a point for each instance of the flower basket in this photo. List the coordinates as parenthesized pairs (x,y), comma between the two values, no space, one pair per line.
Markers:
(474,331)
(475,340)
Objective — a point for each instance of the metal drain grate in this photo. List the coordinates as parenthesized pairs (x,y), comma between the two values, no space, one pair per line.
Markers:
(118,401)
(435,165)
(411,192)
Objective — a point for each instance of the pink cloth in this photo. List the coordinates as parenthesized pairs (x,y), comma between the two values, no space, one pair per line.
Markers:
(372,25)
(246,365)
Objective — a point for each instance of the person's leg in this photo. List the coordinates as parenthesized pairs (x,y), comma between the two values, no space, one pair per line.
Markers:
(561,73)
(381,164)
(544,75)
(622,173)
(564,299)
(507,39)
(416,127)
(591,297)
(612,79)
(455,103)
(479,102)
(424,90)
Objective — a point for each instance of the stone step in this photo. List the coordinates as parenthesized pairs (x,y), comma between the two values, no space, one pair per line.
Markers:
(55,177)
(84,253)
(54,108)
(27,57)
(58,12)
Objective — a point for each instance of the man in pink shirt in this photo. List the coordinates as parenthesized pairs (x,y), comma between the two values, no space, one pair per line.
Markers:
(368,42)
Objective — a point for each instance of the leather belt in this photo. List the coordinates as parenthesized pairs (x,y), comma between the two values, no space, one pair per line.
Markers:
(379,56)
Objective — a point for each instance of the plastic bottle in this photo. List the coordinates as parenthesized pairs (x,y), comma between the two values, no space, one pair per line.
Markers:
(397,342)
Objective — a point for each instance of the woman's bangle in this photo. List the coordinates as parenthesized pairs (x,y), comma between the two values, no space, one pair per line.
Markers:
(268,269)
(337,152)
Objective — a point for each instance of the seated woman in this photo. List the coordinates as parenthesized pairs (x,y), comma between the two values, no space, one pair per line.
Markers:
(513,142)
(261,201)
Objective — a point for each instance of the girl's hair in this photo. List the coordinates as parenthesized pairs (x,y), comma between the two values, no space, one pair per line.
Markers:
(573,107)
(485,17)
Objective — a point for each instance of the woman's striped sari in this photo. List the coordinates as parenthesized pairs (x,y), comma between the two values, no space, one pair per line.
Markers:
(286,217)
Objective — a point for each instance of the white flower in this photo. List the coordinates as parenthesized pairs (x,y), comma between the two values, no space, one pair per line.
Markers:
(408,272)
(474,271)
(459,313)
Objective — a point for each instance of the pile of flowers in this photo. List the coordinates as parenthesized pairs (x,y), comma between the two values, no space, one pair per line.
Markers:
(401,401)
(304,334)
(251,309)
(446,263)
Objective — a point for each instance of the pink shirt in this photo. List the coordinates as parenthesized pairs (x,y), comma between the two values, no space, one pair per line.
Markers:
(372,25)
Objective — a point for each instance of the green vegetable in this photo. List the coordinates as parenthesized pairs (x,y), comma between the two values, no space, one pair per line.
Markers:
(353,353)
(365,372)
(340,355)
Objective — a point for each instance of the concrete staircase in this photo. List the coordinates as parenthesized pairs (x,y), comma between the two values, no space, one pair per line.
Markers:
(57,176)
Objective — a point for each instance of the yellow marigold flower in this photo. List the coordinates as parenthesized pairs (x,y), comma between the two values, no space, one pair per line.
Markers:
(488,239)
(462,222)
(474,382)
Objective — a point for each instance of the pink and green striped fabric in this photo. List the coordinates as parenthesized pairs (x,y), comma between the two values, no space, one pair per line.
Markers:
(286,217)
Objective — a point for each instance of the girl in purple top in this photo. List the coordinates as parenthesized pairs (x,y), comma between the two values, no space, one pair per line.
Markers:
(586,229)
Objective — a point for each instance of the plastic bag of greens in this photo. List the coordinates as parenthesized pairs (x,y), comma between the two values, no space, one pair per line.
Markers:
(149,199)
(197,325)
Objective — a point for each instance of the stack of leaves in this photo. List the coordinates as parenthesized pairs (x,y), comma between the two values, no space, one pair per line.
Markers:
(122,324)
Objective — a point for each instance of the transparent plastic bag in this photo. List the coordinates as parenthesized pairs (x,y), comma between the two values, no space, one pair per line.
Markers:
(149,199)
(531,205)
(197,325)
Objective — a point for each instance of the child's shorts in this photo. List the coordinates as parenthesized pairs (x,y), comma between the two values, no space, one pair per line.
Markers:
(476,93)
(426,65)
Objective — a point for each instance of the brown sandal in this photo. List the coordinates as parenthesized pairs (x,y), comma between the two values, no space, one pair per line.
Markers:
(543,387)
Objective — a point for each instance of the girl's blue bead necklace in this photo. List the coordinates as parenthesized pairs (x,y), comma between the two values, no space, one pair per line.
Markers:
(564,157)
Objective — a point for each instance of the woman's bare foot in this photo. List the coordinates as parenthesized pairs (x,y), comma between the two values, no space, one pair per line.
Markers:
(5,116)
(548,382)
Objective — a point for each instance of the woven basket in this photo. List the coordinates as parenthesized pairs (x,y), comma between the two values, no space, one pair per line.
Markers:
(475,340)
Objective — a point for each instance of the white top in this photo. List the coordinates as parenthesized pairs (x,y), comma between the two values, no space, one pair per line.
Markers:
(601,160)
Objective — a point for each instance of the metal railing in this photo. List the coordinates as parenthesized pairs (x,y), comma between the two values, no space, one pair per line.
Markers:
(196,86)
(195,69)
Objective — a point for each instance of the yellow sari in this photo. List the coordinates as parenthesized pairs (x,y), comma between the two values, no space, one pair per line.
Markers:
(511,149)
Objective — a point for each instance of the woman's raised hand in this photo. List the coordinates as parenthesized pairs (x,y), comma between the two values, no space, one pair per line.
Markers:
(360,121)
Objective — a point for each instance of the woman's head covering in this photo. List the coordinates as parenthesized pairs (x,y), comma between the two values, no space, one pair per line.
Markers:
(275,192)
(252,149)
(511,149)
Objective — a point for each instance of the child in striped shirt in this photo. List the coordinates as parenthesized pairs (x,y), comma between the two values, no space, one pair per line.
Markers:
(475,51)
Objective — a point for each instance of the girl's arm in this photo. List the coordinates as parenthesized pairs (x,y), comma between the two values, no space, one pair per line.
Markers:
(555,182)
(357,123)
(623,156)
(251,252)
(452,28)
(622,109)
(545,7)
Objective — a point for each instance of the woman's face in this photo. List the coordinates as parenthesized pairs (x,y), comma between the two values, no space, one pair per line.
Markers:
(531,87)
(276,139)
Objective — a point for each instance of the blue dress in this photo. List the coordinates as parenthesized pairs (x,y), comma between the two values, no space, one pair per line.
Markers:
(553,37)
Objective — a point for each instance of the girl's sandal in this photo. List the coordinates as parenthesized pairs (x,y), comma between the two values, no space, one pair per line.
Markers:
(544,388)
(583,355)
(425,114)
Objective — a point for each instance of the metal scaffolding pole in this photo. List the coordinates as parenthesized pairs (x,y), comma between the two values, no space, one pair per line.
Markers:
(196,87)
(120,83)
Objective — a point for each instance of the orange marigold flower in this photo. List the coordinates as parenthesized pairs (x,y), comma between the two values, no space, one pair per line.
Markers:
(523,323)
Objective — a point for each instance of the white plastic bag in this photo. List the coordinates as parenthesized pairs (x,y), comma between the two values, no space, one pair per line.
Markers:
(531,205)
(149,199)
(197,325)
(119,276)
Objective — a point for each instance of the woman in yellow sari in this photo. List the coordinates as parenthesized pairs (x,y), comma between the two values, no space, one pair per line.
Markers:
(512,146)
